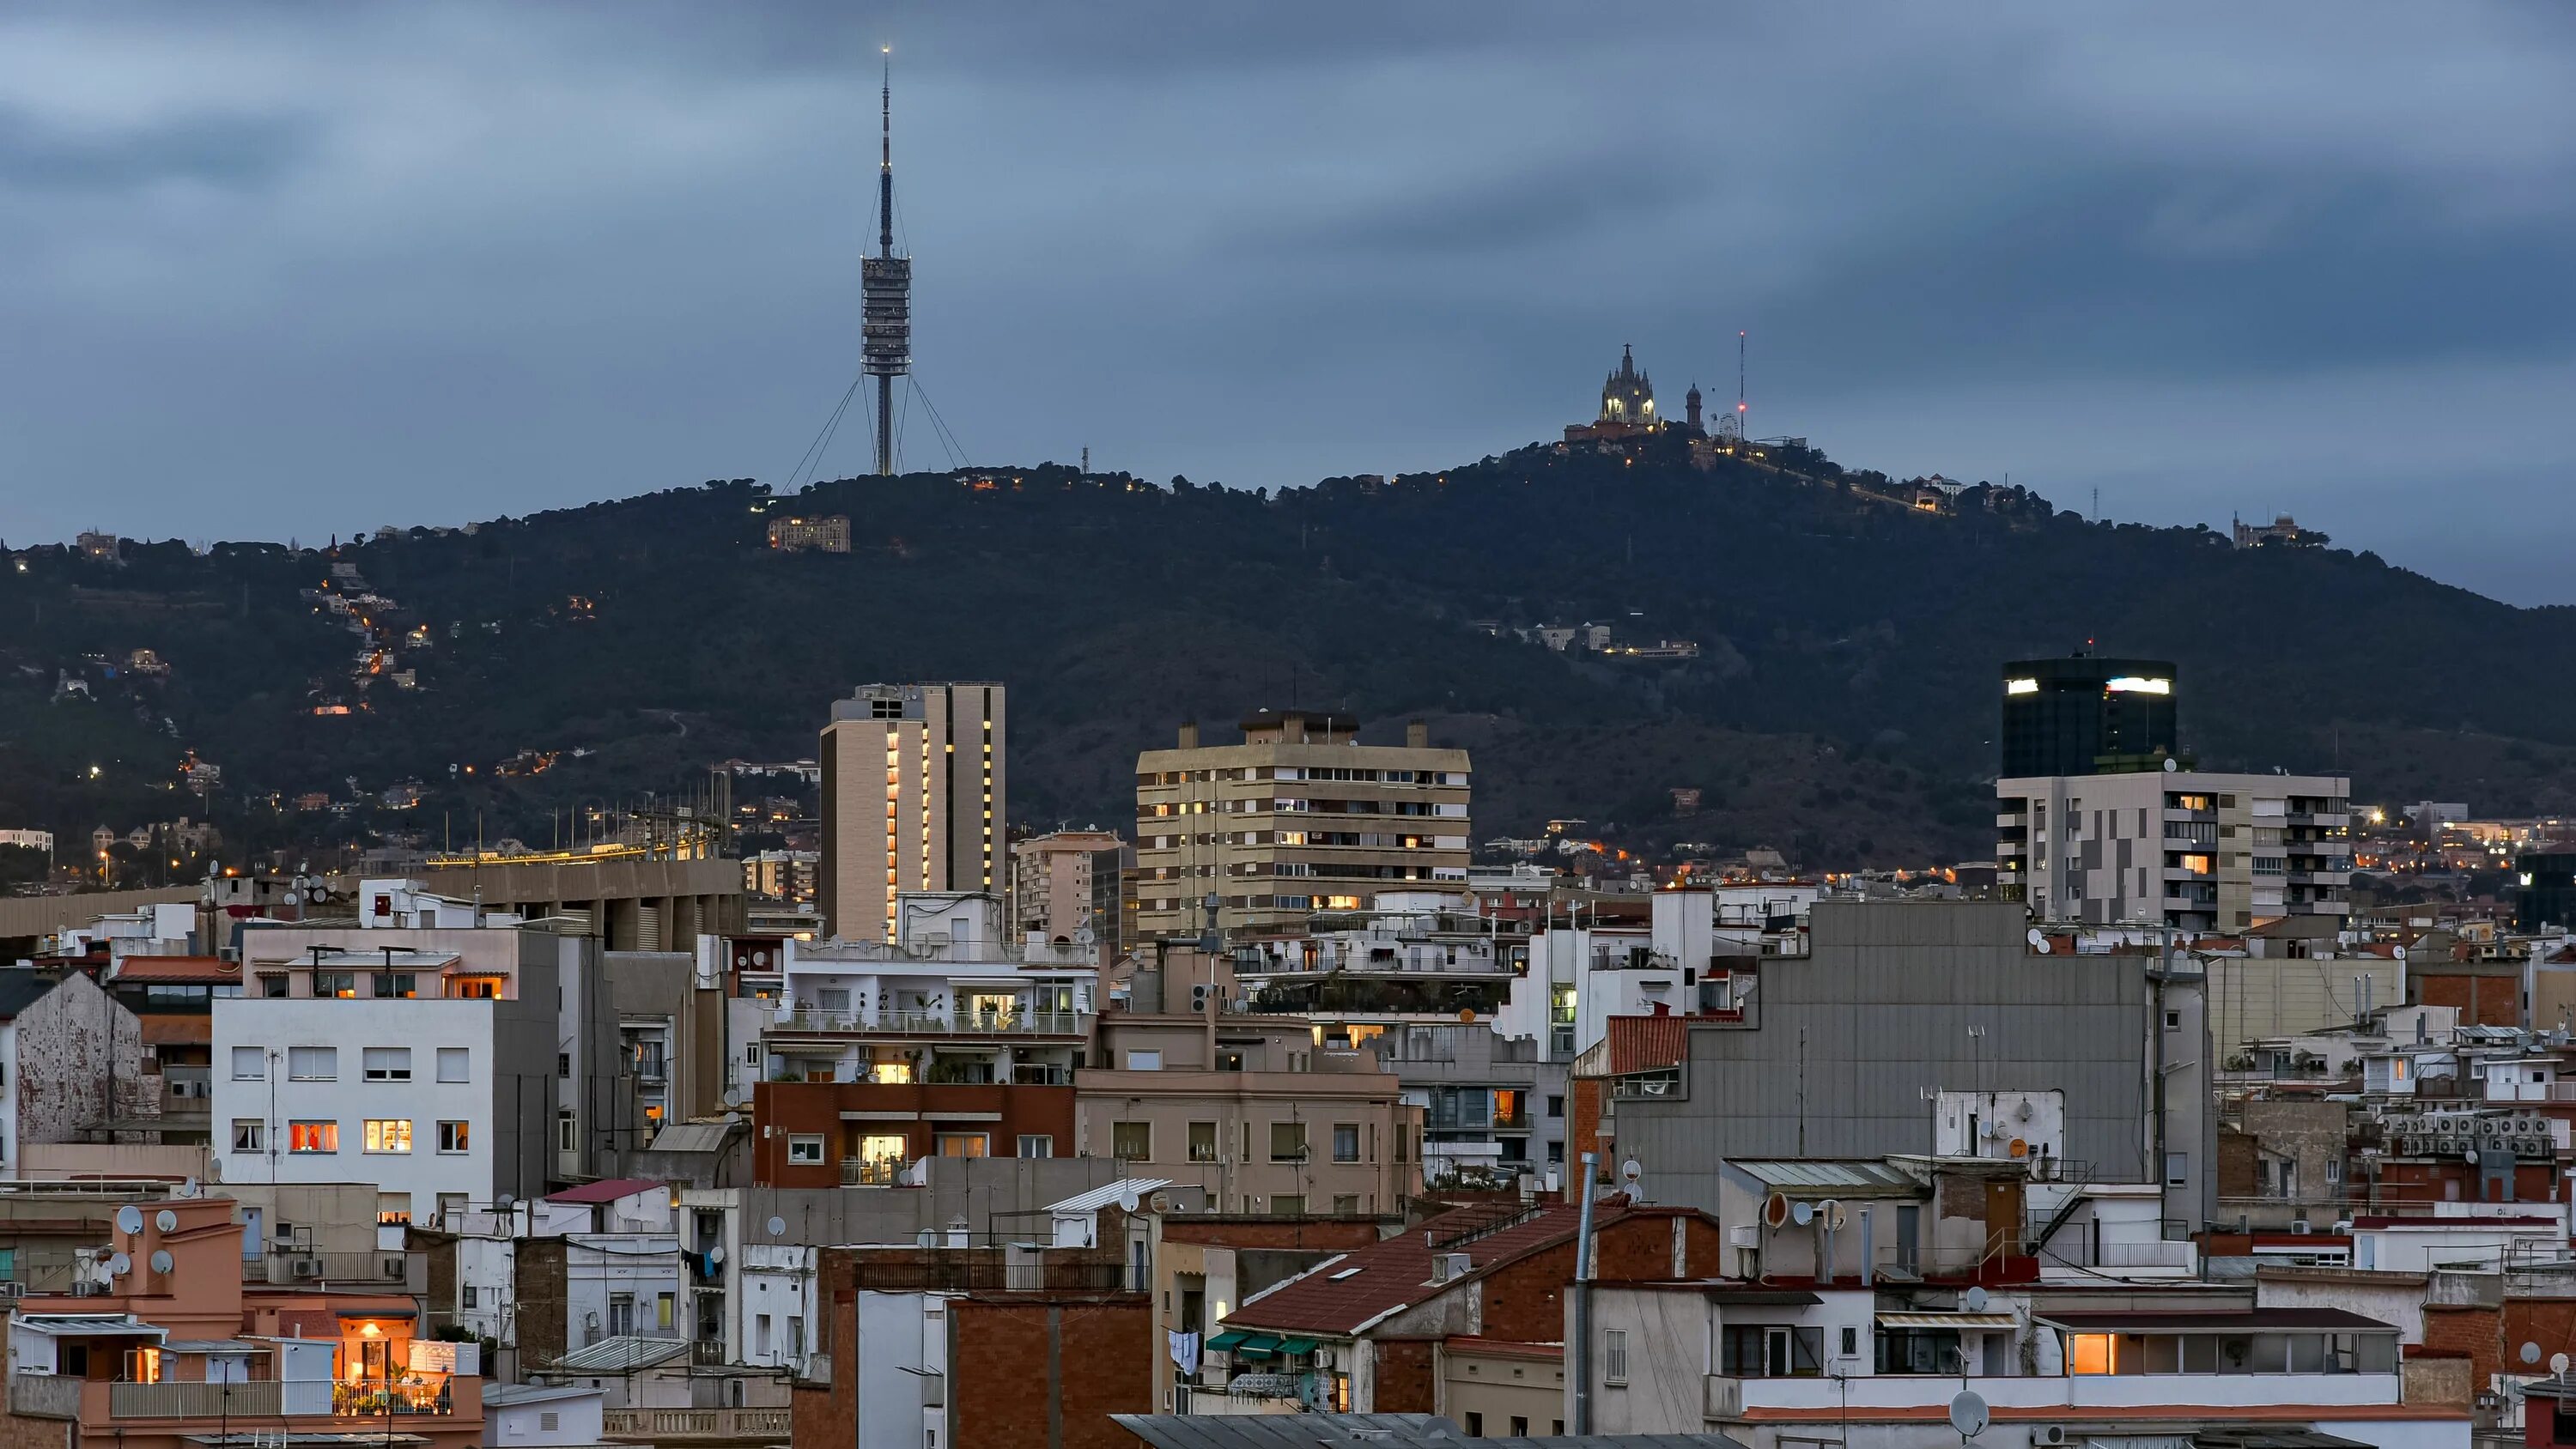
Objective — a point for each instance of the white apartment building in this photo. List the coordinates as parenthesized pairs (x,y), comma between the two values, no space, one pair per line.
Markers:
(914,799)
(948,1000)
(2193,849)
(406,1068)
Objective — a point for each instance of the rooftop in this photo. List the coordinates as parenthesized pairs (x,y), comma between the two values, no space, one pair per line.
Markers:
(1344,1295)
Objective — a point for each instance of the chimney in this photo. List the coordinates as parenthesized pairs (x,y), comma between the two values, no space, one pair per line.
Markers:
(1417,736)
(1189,734)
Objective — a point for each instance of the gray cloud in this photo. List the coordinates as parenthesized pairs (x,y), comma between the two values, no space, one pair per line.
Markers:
(496,257)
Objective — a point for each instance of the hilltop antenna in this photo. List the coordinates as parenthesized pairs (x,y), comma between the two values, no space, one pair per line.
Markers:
(1739,382)
(885,286)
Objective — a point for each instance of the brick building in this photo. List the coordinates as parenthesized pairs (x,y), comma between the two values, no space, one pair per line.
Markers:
(833,1134)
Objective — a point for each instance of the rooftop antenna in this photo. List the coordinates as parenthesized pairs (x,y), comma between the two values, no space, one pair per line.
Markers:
(1739,382)
(885,286)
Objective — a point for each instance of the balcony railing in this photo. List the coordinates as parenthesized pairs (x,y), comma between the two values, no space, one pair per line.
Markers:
(931,1023)
(313,1268)
(661,1425)
(870,1171)
(255,1398)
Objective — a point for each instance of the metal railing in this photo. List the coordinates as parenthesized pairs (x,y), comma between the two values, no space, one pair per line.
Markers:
(312,1267)
(870,1171)
(931,1023)
(658,1425)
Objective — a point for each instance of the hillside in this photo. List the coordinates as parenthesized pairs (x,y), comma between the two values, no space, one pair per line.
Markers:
(1841,704)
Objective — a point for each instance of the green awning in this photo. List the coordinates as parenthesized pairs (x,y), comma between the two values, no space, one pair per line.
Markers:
(1291,1348)
(1256,1345)
(1226,1340)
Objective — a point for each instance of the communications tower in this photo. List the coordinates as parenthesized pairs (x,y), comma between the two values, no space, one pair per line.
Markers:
(885,288)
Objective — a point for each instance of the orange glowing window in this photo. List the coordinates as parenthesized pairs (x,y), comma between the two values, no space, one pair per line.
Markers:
(2091,1353)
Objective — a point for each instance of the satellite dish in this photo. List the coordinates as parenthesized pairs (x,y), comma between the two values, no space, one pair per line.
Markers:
(2530,1352)
(2041,945)
(1467,1014)
(715,1257)
(190,1188)
(166,1220)
(1127,1199)
(734,1096)
(1830,1211)
(505,1202)
(1775,1209)
(778,1227)
(1974,1300)
(2035,936)
(2172,764)
(1802,1213)
(1968,1414)
(1631,1170)
(2470,1156)
(118,1265)
(2018,1147)
(2400,952)
(161,1260)
(129,1219)
(2558,1364)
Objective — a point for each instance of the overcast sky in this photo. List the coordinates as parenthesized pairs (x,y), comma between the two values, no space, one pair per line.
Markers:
(311,269)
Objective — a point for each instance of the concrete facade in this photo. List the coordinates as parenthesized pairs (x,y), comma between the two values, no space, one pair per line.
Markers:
(1836,1051)
(915,796)
(2187,848)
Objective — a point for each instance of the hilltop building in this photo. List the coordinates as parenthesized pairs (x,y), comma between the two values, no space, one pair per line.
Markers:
(2080,714)
(825,535)
(1628,407)
(1314,820)
(913,800)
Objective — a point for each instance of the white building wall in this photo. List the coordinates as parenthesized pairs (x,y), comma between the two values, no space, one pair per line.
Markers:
(778,1281)
(642,1267)
(489,1266)
(275,1099)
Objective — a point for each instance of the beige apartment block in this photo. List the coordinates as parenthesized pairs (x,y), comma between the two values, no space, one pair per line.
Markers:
(1066,883)
(1284,1143)
(1299,817)
(913,800)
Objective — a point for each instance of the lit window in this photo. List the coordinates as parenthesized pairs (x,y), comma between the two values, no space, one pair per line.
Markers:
(312,1136)
(2091,1353)
(388,1134)
(452,1137)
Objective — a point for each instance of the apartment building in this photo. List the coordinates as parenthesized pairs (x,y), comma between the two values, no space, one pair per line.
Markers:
(1279,1142)
(431,1075)
(2071,716)
(1849,1051)
(2192,849)
(1298,817)
(1065,887)
(915,798)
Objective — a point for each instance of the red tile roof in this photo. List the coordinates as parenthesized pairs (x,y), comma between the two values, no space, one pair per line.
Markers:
(607,1190)
(1645,1043)
(172,1028)
(1341,1296)
(178,970)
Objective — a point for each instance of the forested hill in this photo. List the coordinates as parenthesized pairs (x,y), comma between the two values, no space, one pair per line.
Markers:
(1841,704)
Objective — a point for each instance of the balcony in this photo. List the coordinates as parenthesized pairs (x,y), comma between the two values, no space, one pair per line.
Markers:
(313,1269)
(1073,1024)
(870,1171)
(1734,1398)
(707,1426)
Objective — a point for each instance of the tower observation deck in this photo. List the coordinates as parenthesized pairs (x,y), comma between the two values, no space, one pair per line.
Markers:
(885,291)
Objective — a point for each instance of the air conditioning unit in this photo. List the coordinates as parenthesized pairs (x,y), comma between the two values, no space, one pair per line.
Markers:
(12,1291)
(1199,994)
(1744,1235)
(306,1267)
(2049,1434)
(2301,1227)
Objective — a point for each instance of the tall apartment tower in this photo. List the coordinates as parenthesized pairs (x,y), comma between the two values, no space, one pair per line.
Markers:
(2080,714)
(1300,817)
(913,800)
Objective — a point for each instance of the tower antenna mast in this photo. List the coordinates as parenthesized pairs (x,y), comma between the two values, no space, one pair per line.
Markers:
(885,286)
(1739,382)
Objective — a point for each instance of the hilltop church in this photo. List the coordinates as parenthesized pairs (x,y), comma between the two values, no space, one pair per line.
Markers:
(1628,407)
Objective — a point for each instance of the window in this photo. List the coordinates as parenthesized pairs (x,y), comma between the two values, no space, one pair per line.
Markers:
(452,1064)
(1144,1061)
(341,984)
(664,1310)
(2173,1021)
(805,1151)
(760,1335)
(549,1420)
(1131,1141)
(1556,1106)
(452,1136)
(387,1064)
(1287,1141)
(390,1134)
(1203,1142)
(250,1134)
(563,1065)
(2177,1169)
(250,1064)
(1346,1205)
(394,984)
(1037,1144)
(621,1314)
(1346,1142)
(469,1296)
(312,1136)
(1614,1356)
(1851,1341)
(567,1138)
(272,987)
(393,1208)
(1288,1204)
(313,1064)
(1520,1426)
(1475,1425)
(963,1144)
